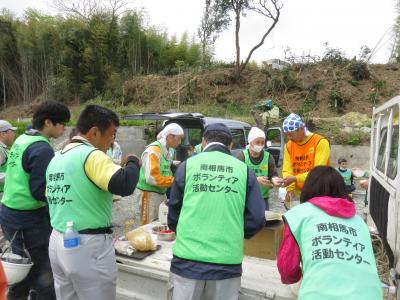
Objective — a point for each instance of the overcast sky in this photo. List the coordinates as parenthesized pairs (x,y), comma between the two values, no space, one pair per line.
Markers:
(304,25)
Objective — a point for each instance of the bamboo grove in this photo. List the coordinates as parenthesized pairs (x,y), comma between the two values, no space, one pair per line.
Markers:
(72,58)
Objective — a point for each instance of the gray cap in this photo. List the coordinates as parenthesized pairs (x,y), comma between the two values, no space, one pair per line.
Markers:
(5,125)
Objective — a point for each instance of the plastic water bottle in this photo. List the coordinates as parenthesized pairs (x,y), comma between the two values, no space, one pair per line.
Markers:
(71,237)
(163,213)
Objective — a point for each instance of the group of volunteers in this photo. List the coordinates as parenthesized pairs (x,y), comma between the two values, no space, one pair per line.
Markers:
(215,201)
(43,191)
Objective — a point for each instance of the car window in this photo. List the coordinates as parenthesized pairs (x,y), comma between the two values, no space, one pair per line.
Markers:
(380,162)
(393,151)
(239,141)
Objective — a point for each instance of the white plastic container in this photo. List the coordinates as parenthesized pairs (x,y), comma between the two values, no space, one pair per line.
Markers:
(15,272)
(163,213)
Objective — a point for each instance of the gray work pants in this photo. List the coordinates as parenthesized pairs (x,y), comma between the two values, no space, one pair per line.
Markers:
(88,272)
(181,288)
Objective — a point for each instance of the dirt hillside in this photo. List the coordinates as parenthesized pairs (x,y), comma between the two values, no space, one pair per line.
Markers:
(317,90)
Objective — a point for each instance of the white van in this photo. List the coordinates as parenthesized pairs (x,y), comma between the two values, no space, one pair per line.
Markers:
(384,182)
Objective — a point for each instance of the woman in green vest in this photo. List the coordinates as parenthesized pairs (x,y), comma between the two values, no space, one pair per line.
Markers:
(327,245)
(156,174)
(260,161)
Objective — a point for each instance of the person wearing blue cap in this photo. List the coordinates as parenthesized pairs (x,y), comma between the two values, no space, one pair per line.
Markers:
(215,201)
(302,152)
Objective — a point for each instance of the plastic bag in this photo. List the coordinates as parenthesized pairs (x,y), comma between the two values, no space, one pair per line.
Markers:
(141,240)
(123,247)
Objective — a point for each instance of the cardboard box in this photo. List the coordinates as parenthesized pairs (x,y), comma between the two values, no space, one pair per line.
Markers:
(265,244)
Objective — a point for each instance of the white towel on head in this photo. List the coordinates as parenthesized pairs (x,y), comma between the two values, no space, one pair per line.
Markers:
(172,128)
(254,134)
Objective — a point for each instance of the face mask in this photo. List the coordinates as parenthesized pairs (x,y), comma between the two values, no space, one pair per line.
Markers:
(257,148)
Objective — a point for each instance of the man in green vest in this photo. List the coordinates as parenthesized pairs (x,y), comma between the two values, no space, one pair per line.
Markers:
(7,136)
(215,203)
(24,215)
(346,174)
(156,174)
(80,182)
(260,161)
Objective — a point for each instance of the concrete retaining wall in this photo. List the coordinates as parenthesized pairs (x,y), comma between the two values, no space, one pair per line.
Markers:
(357,156)
(130,138)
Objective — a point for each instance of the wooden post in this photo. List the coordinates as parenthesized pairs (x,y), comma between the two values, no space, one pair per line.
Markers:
(4,91)
(179,75)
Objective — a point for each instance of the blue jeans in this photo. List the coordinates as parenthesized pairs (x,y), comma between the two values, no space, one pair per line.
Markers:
(40,277)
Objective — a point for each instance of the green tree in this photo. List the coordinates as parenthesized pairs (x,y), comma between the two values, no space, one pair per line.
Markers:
(215,19)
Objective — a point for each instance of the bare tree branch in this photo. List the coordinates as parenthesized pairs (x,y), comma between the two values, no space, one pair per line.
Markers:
(264,9)
(85,9)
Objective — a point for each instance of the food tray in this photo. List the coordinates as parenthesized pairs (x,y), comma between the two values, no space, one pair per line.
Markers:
(138,254)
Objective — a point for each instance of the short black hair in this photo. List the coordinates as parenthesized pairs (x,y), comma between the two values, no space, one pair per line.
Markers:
(56,112)
(218,136)
(323,181)
(96,116)
(342,159)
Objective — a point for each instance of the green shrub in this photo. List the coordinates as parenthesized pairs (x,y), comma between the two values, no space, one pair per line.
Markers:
(334,56)
(380,85)
(337,101)
(359,70)
(354,139)
(310,101)
(221,97)
(289,79)
(281,81)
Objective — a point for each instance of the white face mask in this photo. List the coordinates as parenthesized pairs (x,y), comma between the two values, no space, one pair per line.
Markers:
(256,148)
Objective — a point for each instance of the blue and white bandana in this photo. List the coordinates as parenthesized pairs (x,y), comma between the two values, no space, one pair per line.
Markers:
(292,123)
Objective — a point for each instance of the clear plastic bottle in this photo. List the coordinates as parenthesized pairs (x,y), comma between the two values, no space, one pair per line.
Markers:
(71,237)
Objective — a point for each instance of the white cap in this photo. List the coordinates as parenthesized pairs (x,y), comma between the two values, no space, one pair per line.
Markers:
(255,133)
(5,125)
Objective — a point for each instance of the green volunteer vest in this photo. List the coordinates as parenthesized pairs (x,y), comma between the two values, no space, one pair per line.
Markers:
(260,169)
(72,196)
(17,194)
(346,176)
(165,169)
(211,225)
(336,253)
(3,167)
